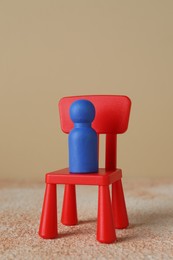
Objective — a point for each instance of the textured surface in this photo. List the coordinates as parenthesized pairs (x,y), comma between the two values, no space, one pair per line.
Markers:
(149,236)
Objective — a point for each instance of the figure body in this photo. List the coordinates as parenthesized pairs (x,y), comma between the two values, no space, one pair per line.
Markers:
(83,140)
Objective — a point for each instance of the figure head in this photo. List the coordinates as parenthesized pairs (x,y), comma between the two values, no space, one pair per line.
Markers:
(82,111)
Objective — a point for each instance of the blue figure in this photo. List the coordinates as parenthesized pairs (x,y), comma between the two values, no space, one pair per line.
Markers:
(82,140)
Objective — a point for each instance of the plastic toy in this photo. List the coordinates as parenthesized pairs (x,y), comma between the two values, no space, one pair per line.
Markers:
(112,116)
(83,143)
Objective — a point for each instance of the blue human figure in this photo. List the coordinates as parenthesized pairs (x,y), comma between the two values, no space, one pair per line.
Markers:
(83,140)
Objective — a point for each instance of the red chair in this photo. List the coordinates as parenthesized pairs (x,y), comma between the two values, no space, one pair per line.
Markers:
(112,116)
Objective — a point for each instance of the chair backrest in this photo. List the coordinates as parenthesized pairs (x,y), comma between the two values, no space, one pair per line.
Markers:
(112,113)
(112,117)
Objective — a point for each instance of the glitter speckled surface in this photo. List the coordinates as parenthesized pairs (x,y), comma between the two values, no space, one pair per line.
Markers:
(149,236)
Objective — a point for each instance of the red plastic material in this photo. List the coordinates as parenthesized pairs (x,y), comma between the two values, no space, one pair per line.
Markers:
(69,212)
(111,143)
(48,223)
(103,177)
(118,206)
(105,223)
(112,116)
(112,113)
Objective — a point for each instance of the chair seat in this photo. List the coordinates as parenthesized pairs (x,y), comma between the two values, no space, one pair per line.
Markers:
(102,177)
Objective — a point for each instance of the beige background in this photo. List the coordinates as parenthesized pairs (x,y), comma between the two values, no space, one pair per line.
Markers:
(50,49)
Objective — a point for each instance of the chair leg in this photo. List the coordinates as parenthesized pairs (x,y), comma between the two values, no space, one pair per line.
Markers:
(48,223)
(119,206)
(69,209)
(105,223)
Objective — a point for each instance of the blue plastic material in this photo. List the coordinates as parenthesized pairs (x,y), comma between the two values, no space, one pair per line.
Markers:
(83,140)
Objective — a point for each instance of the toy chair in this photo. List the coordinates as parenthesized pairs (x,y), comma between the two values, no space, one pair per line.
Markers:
(112,116)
